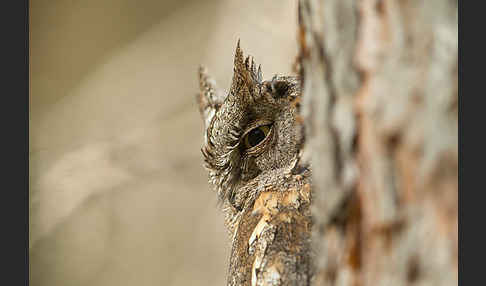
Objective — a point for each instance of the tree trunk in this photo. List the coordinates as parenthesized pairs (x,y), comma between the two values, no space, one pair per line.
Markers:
(380,109)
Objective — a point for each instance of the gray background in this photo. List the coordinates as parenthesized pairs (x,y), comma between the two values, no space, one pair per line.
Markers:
(118,194)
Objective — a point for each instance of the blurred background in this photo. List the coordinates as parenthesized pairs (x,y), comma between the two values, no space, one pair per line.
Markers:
(118,194)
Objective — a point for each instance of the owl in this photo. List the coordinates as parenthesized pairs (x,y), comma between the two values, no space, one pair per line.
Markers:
(252,150)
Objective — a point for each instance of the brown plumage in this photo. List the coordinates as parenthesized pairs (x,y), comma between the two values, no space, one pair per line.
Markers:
(251,149)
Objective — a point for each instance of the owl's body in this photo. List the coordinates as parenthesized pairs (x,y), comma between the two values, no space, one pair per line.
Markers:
(252,152)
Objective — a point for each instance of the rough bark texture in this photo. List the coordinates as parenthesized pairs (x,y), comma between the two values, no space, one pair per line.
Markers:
(380,108)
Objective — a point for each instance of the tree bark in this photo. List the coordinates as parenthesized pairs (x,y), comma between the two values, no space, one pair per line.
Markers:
(380,110)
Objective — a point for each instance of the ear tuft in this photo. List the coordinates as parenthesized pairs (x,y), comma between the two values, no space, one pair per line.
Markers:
(210,97)
(245,76)
(238,61)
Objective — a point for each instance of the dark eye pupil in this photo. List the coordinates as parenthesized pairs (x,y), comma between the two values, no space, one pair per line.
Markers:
(255,136)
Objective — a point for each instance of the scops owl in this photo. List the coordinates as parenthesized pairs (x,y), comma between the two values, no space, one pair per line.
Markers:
(252,143)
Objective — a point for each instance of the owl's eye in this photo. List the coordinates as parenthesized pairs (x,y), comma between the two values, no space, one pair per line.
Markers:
(256,136)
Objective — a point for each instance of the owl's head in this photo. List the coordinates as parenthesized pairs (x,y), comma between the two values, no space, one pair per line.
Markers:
(252,138)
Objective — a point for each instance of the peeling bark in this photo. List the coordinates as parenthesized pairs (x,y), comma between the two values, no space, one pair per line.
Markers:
(380,110)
